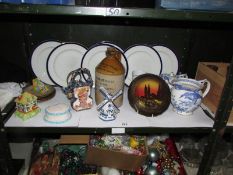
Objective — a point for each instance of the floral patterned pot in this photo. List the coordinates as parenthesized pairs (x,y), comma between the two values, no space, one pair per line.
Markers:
(170,77)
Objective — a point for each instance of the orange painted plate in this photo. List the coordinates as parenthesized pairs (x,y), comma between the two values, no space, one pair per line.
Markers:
(149,95)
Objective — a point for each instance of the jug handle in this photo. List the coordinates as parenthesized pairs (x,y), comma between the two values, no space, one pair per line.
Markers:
(207,89)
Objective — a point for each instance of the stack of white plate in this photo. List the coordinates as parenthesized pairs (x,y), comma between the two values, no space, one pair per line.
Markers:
(155,60)
(52,61)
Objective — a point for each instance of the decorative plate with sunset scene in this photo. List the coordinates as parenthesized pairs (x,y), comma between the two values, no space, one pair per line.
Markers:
(149,95)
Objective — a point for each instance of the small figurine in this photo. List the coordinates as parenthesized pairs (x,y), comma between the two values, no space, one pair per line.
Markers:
(107,108)
(83,100)
(26,106)
(133,142)
(79,89)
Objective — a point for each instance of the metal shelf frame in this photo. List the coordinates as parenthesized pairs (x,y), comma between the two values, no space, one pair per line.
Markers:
(189,16)
(221,118)
(139,13)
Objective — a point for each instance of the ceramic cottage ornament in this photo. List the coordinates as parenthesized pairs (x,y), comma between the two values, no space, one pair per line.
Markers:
(107,108)
(79,89)
(26,106)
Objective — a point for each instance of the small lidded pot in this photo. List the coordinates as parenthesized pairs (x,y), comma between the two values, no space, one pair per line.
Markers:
(171,76)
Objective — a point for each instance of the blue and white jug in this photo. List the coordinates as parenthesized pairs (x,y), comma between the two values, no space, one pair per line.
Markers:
(187,94)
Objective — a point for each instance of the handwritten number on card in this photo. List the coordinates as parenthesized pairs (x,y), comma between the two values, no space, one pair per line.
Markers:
(113,11)
(124,123)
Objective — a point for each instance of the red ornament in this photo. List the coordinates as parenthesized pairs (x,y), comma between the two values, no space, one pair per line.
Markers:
(139,171)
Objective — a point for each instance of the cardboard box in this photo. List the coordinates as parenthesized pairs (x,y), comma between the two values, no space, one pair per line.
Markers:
(114,159)
(216,73)
(105,157)
(74,139)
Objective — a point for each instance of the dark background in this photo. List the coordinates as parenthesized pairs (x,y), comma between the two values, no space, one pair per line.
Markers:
(190,41)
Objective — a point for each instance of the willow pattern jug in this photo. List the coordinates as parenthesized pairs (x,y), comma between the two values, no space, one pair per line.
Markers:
(187,94)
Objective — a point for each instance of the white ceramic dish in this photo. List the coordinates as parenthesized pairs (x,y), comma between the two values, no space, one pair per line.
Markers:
(169,60)
(62,60)
(143,58)
(39,60)
(96,54)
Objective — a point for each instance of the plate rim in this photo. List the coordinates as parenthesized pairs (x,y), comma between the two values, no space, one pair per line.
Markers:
(147,46)
(40,44)
(170,52)
(111,43)
(52,52)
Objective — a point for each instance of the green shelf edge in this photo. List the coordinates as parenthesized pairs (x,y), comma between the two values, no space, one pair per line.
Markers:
(145,13)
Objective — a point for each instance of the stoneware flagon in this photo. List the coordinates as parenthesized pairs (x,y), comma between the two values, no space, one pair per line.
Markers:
(187,94)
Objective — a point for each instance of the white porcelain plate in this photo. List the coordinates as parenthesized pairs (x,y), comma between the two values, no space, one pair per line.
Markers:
(169,60)
(142,58)
(39,59)
(62,60)
(96,54)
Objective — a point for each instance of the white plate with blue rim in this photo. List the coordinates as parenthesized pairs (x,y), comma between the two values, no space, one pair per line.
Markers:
(96,54)
(112,44)
(142,58)
(39,59)
(62,60)
(169,60)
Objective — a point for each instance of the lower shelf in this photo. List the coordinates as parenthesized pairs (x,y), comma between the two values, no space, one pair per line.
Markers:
(17,165)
